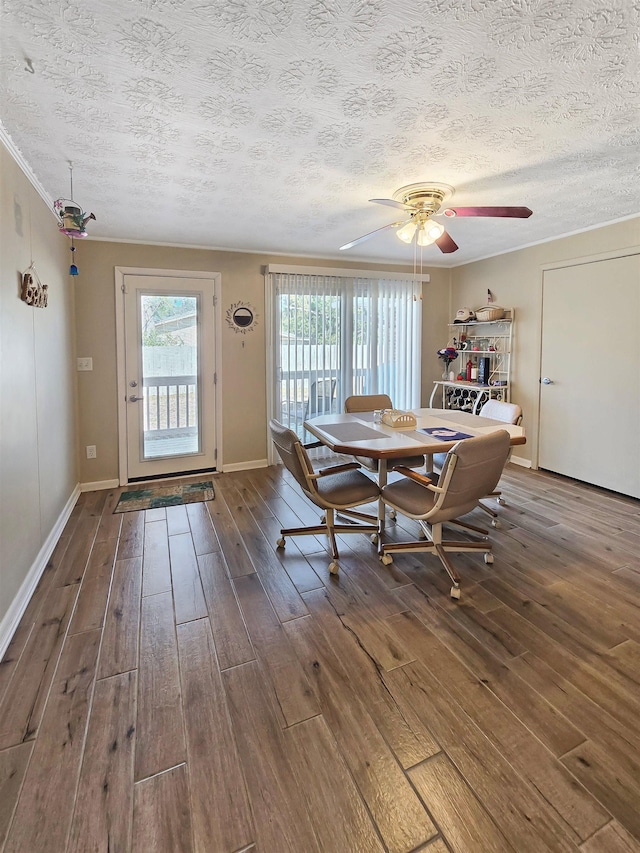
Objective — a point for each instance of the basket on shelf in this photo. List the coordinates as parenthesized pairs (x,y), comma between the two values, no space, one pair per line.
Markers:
(489,312)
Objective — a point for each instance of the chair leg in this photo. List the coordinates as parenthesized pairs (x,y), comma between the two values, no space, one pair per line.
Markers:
(487,509)
(455,577)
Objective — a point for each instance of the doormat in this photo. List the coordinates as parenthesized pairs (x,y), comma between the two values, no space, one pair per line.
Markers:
(159,496)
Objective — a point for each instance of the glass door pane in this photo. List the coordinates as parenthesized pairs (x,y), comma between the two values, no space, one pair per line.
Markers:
(171,390)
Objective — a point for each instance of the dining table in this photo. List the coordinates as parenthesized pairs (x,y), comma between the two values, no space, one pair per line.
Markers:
(436,431)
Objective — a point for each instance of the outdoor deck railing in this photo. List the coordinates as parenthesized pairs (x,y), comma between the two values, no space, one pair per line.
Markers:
(170,404)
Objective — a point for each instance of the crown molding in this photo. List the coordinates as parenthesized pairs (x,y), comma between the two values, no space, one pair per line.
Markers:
(17,155)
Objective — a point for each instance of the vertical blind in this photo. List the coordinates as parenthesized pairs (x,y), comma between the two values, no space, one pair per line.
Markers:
(335,336)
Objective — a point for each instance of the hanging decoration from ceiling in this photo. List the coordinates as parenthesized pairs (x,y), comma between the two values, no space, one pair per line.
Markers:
(72,219)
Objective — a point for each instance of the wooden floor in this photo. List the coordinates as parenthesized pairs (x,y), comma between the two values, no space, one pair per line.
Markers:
(179,684)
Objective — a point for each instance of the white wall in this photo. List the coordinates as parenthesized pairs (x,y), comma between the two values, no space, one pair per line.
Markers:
(37,392)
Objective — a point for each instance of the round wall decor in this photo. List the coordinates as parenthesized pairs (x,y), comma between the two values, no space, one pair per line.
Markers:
(242,317)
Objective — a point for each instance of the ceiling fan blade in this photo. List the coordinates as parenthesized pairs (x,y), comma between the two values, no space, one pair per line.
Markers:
(391,203)
(371,234)
(446,243)
(515,212)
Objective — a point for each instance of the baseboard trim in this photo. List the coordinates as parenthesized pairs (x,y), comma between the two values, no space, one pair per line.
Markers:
(99,484)
(521,461)
(245,466)
(12,617)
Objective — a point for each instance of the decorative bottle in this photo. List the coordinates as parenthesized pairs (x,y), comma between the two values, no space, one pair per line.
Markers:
(474,371)
(469,370)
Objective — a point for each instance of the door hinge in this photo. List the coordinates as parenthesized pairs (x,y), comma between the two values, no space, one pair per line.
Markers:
(215,378)
(123,288)
(215,300)
(215,454)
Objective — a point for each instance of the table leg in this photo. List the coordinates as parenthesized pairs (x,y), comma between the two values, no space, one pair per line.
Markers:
(382,481)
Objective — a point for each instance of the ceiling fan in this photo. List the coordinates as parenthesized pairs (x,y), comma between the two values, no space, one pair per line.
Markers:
(421,202)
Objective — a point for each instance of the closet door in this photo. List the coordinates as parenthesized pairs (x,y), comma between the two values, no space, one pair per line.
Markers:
(590,373)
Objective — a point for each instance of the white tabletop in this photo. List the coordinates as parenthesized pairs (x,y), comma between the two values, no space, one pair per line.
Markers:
(358,434)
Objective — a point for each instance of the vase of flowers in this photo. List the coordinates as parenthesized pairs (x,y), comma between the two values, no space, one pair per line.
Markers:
(447,355)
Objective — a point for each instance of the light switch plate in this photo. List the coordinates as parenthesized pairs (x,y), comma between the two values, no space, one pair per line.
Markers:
(85,364)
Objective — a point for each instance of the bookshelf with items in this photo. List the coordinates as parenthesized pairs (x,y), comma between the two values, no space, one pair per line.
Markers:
(483,372)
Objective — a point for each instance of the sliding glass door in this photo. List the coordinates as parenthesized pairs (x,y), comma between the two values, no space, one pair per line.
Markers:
(335,336)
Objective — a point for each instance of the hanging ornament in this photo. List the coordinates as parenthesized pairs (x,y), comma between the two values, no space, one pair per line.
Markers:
(72,219)
(73,269)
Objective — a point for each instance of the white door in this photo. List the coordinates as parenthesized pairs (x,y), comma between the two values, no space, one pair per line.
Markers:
(170,375)
(590,373)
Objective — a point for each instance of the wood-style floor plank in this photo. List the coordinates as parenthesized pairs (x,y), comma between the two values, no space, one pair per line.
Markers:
(13,765)
(281,818)
(611,839)
(156,567)
(110,522)
(160,731)
(223,822)
(131,540)
(161,815)
(292,693)
(230,540)
(232,642)
(25,697)
(188,598)
(461,818)
(45,807)
(202,532)
(338,813)
(119,652)
(94,591)
(104,799)
(177,521)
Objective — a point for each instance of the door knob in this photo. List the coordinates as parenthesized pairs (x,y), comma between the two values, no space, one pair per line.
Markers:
(546,381)
(134,399)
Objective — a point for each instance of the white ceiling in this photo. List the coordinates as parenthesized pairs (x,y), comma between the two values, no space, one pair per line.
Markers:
(266,125)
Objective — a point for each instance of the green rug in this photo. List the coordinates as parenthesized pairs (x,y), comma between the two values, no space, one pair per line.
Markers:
(159,496)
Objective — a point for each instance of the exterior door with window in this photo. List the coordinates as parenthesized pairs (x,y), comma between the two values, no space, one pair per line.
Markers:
(169,365)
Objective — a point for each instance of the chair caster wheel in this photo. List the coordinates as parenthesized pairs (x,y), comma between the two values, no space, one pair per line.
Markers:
(386,559)
(488,558)
(392,514)
(280,542)
(455,592)
(323,519)
(374,538)
(495,522)
(501,501)
(334,568)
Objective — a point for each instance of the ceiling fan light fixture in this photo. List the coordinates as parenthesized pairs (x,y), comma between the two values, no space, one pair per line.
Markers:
(428,232)
(406,233)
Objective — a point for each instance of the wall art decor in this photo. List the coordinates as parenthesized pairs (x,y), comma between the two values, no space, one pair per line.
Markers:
(33,292)
(242,317)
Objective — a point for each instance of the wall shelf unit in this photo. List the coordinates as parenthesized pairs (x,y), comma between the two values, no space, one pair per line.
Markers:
(475,340)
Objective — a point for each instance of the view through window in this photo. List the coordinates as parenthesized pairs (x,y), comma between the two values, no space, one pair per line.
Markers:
(336,336)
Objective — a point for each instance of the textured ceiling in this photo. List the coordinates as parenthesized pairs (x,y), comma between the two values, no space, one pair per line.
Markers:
(267,124)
